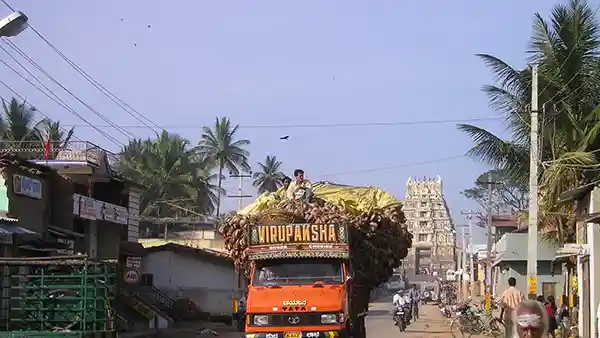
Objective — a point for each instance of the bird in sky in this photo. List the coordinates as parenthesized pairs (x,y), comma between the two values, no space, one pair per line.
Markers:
(284,137)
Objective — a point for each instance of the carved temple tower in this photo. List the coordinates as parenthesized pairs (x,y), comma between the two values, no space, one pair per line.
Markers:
(428,219)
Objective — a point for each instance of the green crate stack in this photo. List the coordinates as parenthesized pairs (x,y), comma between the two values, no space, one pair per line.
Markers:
(49,298)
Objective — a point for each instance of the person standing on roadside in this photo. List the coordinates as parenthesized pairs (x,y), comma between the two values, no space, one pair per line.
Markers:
(511,298)
(413,295)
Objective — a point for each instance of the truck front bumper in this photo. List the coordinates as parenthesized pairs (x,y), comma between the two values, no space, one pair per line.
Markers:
(296,334)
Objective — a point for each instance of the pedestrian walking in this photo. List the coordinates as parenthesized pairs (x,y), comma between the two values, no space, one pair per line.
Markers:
(551,310)
(510,300)
(415,297)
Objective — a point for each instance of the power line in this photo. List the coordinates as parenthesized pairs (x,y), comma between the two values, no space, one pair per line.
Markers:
(307,126)
(57,100)
(53,79)
(37,110)
(114,98)
(394,167)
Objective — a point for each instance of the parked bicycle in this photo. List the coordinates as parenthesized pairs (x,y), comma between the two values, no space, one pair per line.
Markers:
(471,320)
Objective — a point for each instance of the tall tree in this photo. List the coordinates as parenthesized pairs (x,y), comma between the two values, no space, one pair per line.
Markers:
(52,131)
(566,49)
(24,135)
(508,197)
(18,125)
(220,145)
(270,177)
(172,173)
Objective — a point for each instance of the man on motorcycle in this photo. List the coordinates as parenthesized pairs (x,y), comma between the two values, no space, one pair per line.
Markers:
(398,301)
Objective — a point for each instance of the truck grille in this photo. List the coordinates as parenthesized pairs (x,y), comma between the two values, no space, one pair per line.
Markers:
(302,319)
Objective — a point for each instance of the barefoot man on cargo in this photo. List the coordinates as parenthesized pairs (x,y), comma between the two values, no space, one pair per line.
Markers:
(511,298)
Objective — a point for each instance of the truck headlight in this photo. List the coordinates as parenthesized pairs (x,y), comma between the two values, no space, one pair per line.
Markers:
(260,320)
(330,318)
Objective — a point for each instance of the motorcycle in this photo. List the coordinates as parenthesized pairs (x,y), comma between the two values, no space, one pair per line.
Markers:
(399,319)
(240,318)
(426,297)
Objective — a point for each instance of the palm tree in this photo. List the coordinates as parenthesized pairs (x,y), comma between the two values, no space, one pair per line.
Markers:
(220,145)
(170,171)
(270,177)
(566,49)
(22,134)
(51,131)
(17,125)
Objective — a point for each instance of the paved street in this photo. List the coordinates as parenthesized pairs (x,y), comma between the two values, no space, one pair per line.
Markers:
(431,324)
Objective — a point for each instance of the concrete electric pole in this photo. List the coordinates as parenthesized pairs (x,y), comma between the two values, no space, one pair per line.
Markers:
(240,196)
(488,264)
(469,215)
(532,229)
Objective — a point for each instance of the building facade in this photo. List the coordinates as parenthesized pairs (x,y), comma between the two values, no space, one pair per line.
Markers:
(428,218)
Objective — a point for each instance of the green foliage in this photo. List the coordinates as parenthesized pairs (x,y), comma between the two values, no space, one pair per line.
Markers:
(270,177)
(20,131)
(508,196)
(566,49)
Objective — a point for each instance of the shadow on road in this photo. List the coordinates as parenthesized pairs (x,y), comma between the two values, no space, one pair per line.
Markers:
(378,313)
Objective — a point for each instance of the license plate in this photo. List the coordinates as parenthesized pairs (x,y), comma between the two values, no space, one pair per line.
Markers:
(292,335)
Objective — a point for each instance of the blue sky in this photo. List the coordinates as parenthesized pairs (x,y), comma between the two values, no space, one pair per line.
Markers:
(265,63)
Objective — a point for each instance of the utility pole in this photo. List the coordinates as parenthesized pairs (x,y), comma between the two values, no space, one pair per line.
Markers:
(533,190)
(488,265)
(464,259)
(240,196)
(469,215)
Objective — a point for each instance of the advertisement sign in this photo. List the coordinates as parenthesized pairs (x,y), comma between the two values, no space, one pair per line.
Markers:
(132,273)
(298,233)
(27,186)
(113,213)
(88,208)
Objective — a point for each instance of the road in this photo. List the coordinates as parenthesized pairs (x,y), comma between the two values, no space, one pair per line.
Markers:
(431,324)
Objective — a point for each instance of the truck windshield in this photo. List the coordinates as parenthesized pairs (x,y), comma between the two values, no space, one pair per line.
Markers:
(298,271)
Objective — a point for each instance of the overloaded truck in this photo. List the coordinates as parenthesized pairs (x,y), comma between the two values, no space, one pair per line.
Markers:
(313,264)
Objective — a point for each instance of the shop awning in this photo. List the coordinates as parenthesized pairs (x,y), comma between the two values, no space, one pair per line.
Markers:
(10,233)
(570,250)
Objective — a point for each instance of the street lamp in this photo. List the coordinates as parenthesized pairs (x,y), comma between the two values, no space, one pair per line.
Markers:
(13,24)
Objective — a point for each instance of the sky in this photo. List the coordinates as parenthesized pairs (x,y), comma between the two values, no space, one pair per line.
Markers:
(270,65)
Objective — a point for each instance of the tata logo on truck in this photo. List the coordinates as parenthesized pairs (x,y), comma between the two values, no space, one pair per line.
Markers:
(294,302)
(298,233)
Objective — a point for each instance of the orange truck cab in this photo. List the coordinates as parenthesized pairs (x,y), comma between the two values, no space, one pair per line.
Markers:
(300,281)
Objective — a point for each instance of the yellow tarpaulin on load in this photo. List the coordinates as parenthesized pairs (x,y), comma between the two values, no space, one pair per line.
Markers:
(354,200)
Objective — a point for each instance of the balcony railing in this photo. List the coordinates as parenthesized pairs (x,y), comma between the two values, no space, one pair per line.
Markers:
(76,151)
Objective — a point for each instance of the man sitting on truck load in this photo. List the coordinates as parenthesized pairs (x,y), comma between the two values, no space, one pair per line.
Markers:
(300,188)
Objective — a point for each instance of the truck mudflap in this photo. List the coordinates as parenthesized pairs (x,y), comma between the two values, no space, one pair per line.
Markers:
(302,334)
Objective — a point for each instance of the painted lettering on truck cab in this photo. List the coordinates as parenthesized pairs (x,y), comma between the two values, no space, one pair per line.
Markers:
(299,283)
